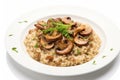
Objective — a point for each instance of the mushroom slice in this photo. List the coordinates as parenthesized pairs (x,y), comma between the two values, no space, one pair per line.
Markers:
(41,25)
(67,50)
(83,30)
(79,41)
(57,20)
(67,20)
(45,44)
(76,31)
(55,35)
(87,31)
(62,44)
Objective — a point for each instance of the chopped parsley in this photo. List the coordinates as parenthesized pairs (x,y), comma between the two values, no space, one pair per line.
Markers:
(11,35)
(60,27)
(103,56)
(49,30)
(78,51)
(15,49)
(111,49)
(36,45)
(25,21)
(22,21)
(94,62)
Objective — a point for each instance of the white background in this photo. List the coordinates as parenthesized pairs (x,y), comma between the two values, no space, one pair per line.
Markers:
(12,9)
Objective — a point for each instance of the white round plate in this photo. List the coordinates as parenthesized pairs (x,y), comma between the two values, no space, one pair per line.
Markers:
(107,31)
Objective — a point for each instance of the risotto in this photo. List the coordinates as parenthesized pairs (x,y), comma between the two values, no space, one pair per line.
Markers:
(62,42)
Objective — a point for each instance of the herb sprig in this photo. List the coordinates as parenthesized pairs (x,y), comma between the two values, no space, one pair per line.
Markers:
(60,27)
(15,49)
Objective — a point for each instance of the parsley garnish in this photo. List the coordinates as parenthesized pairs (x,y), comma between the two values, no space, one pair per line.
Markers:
(111,49)
(15,49)
(49,30)
(11,35)
(60,27)
(103,56)
(94,62)
(25,21)
(22,21)
(36,45)
(78,51)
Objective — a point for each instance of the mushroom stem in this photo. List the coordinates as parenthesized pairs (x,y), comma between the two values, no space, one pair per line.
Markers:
(66,20)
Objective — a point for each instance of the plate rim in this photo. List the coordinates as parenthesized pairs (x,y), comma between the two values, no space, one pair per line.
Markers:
(49,66)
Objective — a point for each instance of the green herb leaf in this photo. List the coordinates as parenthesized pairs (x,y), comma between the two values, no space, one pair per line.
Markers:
(20,22)
(15,49)
(63,29)
(78,51)
(111,49)
(94,62)
(11,35)
(103,56)
(60,27)
(25,21)
(36,45)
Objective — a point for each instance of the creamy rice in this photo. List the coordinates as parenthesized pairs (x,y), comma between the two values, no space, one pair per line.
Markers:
(62,42)
(49,57)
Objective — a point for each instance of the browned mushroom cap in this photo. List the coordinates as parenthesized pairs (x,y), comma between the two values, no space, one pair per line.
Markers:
(87,31)
(66,50)
(58,20)
(77,30)
(41,25)
(45,44)
(74,25)
(83,30)
(79,41)
(62,44)
(53,37)
(67,20)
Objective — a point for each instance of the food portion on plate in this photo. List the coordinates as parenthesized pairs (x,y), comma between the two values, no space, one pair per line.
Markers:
(62,42)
